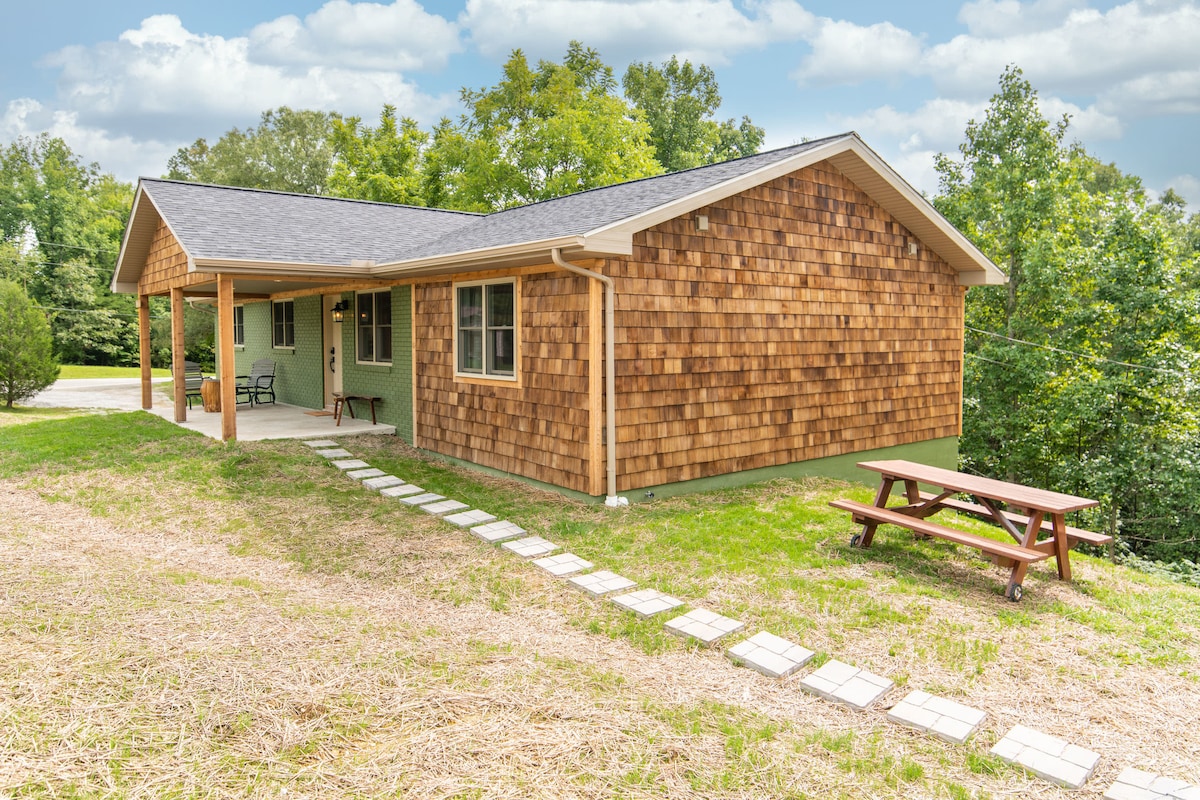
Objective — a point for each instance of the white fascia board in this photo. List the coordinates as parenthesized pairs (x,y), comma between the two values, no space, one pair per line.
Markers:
(468,260)
(112,285)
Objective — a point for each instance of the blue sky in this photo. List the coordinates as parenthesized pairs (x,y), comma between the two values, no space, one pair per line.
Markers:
(126,84)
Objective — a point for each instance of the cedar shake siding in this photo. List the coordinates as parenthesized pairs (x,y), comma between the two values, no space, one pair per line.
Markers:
(166,264)
(536,427)
(797,327)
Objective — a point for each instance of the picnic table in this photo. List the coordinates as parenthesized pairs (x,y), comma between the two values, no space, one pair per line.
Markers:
(1043,512)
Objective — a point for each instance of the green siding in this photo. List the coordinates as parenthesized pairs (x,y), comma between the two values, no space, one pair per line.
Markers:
(938,452)
(299,379)
(394,382)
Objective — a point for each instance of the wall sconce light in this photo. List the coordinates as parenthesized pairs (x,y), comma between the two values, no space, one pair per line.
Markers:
(701,222)
(339,310)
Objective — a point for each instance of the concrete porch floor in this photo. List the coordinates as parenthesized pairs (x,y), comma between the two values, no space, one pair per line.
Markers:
(277,421)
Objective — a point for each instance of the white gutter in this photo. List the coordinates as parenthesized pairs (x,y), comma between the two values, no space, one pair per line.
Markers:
(610,384)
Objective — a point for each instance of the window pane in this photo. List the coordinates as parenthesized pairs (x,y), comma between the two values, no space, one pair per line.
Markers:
(470,351)
(500,353)
(500,305)
(289,312)
(383,308)
(366,310)
(470,307)
(366,344)
(383,343)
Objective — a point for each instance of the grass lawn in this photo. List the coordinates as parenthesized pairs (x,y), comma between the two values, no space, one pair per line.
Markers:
(186,618)
(73,371)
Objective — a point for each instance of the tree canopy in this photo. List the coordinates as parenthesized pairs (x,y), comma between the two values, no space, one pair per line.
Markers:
(538,134)
(678,102)
(1079,374)
(289,151)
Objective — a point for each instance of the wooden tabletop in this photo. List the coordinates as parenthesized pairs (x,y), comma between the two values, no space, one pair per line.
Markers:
(1013,493)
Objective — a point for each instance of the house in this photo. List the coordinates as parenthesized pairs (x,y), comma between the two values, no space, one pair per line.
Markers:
(785,313)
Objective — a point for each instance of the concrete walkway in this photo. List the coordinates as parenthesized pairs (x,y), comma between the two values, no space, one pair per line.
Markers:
(273,421)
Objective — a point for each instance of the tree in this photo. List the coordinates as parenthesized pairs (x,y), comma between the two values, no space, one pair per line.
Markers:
(678,102)
(27,362)
(536,135)
(290,151)
(64,229)
(1078,373)
(381,164)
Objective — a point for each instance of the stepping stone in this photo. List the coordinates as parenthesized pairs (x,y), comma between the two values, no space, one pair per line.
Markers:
(563,564)
(443,506)
(601,582)
(422,499)
(530,547)
(335,453)
(500,531)
(1047,756)
(382,482)
(843,683)
(466,519)
(321,443)
(771,655)
(403,490)
(646,602)
(704,625)
(362,474)
(353,463)
(1136,784)
(943,718)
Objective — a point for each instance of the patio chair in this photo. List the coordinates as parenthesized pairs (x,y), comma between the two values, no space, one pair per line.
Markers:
(258,385)
(193,376)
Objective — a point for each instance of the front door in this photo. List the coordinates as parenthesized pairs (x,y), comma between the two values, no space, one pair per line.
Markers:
(333,347)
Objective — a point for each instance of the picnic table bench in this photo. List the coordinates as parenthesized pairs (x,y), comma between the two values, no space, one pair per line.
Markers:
(1046,513)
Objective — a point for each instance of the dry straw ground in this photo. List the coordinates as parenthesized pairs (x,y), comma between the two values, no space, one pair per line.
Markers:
(157,643)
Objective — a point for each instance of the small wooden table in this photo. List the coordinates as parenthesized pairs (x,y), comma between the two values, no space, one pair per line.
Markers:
(1046,514)
(341,402)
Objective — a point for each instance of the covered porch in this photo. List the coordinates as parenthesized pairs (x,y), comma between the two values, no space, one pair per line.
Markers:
(274,421)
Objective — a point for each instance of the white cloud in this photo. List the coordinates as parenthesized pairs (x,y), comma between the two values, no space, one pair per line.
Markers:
(371,36)
(707,31)
(845,53)
(161,79)
(124,156)
(1088,52)
(999,18)
(1158,93)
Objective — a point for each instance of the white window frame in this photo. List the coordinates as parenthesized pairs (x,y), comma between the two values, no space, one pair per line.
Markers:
(487,373)
(239,326)
(358,299)
(275,343)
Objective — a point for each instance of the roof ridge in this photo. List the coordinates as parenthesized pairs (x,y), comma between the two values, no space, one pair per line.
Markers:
(257,190)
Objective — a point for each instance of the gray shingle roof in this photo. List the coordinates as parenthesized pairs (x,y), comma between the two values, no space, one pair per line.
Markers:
(588,210)
(223,222)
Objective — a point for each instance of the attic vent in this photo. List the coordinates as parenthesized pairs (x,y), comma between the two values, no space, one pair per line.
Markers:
(362,262)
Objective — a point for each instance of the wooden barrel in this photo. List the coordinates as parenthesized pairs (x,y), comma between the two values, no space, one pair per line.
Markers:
(210,394)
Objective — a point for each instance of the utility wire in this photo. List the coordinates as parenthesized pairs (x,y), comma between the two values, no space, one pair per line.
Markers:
(1100,359)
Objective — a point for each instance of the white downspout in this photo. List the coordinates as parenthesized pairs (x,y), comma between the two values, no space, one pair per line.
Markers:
(610,385)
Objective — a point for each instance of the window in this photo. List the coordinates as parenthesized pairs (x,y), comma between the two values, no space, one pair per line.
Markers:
(375,327)
(485,321)
(239,326)
(283,324)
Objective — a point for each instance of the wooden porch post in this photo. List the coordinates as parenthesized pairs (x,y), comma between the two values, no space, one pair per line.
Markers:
(143,306)
(226,357)
(595,388)
(178,354)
